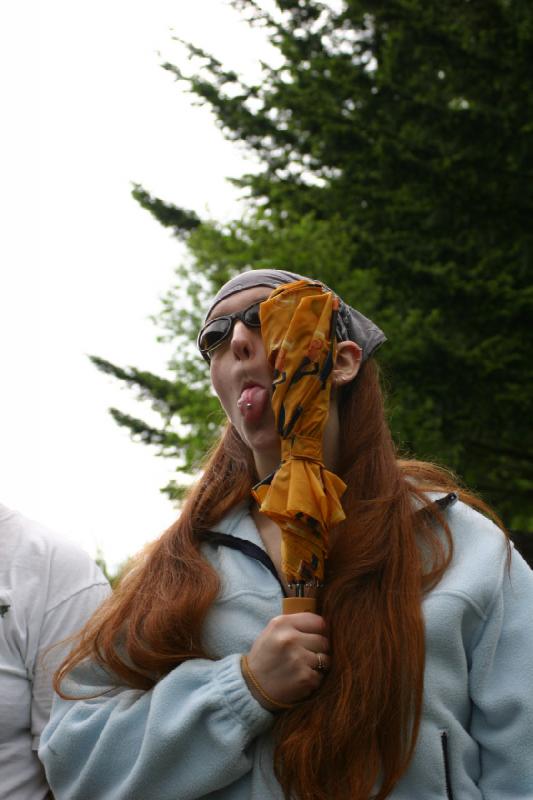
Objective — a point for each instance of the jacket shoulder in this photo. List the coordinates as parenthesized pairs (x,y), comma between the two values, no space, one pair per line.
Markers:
(480,557)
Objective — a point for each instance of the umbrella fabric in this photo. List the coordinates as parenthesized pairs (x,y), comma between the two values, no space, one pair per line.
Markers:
(298,324)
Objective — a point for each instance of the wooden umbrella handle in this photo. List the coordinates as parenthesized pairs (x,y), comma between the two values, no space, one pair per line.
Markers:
(294,605)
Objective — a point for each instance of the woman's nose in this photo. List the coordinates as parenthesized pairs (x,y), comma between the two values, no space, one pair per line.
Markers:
(242,340)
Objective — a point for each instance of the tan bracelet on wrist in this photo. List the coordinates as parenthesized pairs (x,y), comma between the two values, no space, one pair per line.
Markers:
(249,675)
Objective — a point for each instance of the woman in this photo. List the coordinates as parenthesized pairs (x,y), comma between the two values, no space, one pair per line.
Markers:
(414,680)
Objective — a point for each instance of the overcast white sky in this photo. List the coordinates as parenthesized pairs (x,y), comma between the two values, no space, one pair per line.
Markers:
(87,110)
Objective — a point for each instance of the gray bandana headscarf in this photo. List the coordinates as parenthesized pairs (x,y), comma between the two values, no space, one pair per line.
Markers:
(351,324)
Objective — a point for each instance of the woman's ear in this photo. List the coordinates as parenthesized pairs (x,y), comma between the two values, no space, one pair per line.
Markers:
(347,363)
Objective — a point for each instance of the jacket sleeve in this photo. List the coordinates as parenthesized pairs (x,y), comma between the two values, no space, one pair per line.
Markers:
(191,734)
(502,688)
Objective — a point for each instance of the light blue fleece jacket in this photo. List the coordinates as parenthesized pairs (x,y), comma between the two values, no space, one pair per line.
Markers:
(199,733)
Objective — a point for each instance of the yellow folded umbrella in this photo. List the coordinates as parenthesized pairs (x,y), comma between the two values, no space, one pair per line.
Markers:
(298,323)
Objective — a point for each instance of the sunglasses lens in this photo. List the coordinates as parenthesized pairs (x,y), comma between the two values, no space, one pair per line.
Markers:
(251,316)
(216,331)
(213,333)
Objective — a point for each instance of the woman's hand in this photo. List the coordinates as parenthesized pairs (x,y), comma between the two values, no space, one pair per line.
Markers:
(284,658)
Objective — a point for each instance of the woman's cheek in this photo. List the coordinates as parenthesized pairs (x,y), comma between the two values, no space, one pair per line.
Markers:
(220,388)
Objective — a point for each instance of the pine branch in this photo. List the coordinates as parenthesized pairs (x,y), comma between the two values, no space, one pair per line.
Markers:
(180,220)
(169,442)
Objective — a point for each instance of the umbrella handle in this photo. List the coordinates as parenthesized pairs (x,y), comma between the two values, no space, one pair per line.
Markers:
(295,605)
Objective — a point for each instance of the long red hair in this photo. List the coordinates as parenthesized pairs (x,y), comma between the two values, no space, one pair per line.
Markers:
(360,728)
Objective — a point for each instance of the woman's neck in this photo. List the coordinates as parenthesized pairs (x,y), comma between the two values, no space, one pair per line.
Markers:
(270,534)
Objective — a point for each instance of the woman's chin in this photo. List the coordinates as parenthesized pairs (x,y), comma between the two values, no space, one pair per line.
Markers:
(266,449)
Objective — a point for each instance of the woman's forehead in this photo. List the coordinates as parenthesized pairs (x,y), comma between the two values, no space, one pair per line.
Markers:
(240,300)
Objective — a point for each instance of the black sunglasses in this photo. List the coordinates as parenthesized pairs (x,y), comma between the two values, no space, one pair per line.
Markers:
(217,330)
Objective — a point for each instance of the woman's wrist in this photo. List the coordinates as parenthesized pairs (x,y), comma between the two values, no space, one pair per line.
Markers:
(262,697)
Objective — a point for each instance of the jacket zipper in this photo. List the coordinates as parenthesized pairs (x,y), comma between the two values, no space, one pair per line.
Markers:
(446,759)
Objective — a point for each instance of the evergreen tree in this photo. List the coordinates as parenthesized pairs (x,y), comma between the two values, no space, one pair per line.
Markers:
(396,146)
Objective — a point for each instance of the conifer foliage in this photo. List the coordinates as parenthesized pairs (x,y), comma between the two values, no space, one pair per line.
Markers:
(395,143)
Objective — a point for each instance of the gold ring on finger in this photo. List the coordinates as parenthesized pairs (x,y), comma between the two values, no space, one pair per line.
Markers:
(320,665)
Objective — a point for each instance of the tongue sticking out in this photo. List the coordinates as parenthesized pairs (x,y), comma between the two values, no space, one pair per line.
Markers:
(253,402)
